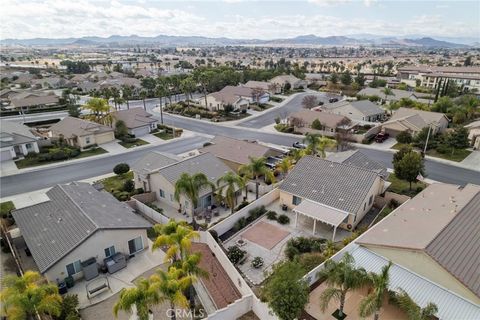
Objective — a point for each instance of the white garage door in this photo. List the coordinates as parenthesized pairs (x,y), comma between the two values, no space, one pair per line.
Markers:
(139,132)
(5,155)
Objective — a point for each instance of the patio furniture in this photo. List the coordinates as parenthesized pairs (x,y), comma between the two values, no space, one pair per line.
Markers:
(97,286)
(115,262)
(90,268)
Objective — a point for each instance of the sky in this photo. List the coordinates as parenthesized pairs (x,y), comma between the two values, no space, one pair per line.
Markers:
(240,19)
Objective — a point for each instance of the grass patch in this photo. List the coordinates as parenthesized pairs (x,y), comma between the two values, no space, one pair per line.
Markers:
(34,162)
(163,135)
(5,208)
(457,156)
(398,146)
(133,144)
(403,187)
(116,182)
(385,212)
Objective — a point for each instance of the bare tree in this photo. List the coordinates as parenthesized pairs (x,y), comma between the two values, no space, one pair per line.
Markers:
(310,101)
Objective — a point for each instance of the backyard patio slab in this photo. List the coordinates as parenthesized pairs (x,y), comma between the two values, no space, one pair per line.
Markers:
(265,234)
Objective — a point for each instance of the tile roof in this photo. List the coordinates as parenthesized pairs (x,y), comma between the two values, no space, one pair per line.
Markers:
(365,107)
(74,127)
(328,119)
(153,161)
(358,159)
(12,133)
(231,94)
(340,186)
(134,117)
(266,86)
(74,212)
(31,99)
(457,246)
(234,150)
(427,116)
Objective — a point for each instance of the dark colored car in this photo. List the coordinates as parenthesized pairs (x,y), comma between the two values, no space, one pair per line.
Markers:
(299,145)
(382,136)
(332,100)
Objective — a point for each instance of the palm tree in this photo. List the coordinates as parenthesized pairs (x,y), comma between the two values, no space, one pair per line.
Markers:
(414,311)
(144,295)
(372,303)
(387,92)
(297,154)
(341,277)
(178,236)
(285,165)
(171,286)
(24,296)
(188,86)
(161,91)
(317,144)
(190,265)
(98,108)
(255,169)
(231,183)
(143,95)
(127,94)
(190,186)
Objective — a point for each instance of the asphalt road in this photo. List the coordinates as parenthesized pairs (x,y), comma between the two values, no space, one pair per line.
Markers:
(291,106)
(36,180)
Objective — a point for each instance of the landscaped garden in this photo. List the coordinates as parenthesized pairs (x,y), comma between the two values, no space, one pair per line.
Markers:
(403,187)
(121,186)
(132,143)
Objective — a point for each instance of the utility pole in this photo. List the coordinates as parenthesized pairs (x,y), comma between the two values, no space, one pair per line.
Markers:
(426,142)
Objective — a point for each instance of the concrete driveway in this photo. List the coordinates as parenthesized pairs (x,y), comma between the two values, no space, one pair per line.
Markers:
(472,161)
(8,167)
(113,147)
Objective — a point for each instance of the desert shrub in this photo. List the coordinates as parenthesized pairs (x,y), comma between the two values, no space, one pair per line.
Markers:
(257,262)
(235,254)
(121,168)
(272,215)
(283,219)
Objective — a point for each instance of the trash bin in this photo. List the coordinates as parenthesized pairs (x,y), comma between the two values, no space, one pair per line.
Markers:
(69,281)
(62,288)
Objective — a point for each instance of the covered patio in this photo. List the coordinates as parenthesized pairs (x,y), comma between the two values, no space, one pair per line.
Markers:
(322,213)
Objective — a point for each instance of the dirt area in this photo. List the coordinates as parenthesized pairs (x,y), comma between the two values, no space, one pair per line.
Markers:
(265,234)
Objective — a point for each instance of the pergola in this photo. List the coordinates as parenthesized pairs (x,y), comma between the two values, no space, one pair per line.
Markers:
(320,212)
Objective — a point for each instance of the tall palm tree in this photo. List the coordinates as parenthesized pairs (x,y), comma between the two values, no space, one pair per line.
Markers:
(143,296)
(414,311)
(317,144)
(177,236)
(190,265)
(230,183)
(285,165)
(143,95)
(297,154)
(341,277)
(127,94)
(98,108)
(372,303)
(24,296)
(190,186)
(256,168)
(160,92)
(387,92)
(188,86)
(171,285)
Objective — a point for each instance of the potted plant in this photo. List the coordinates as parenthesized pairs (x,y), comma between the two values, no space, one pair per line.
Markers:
(257,262)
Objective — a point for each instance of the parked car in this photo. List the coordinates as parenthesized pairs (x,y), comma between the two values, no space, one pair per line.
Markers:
(332,100)
(299,145)
(382,136)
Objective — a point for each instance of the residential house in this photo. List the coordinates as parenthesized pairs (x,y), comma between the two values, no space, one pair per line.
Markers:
(235,153)
(474,134)
(281,81)
(33,100)
(157,172)
(138,121)
(432,243)
(413,121)
(316,78)
(336,193)
(81,133)
(262,86)
(16,140)
(52,83)
(395,95)
(363,110)
(238,97)
(358,159)
(330,123)
(76,224)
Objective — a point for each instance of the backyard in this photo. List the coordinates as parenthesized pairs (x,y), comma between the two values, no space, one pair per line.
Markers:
(403,187)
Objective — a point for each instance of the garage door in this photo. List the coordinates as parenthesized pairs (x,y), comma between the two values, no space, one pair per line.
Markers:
(139,132)
(104,137)
(5,155)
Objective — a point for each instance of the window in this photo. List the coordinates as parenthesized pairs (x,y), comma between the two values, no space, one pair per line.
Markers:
(87,140)
(110,251)
(370,200)
(135,245)
(74,267)
(162,193)
(28,145)
(296,200)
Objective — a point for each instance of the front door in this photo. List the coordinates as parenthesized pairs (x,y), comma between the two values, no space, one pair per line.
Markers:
(207,201)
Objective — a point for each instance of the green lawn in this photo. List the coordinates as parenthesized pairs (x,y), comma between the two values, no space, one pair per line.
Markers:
(136,143)
(457,156)
(6,207)
(34,162)
(385,212)
(116,182)
(163,135)
(403,187)
(398,146)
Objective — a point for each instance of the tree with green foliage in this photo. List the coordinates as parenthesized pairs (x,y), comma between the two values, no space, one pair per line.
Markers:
(341,277)
(409,167)
(190,186)
(333,78)
(285,166)
(412,309)
(70,308)
(121,130)
(177,236)
(121,169)
(255,169)
(404,137)
(24,296)
(420,139)
(346,78)
(228,184)
(143,296)
(188,86)
(99,110)
(317,125)
(127,92)
(457,139)
(360,79)
(387,92)
(373,302)
(287,87)
(316,144)
(287,293)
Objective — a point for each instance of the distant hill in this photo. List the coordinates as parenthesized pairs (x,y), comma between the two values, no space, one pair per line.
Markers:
(165,40)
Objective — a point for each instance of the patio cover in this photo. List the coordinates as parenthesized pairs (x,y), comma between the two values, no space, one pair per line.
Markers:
(320,212)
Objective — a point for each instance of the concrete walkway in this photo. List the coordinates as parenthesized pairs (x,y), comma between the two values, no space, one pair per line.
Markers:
(472,161)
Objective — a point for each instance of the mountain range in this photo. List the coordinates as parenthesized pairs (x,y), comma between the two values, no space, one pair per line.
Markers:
(165,40)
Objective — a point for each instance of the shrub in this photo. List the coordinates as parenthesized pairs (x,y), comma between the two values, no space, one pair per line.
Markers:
(240,224)
(129,186)
(317,125)
(121,195)
(235,254)
(257,262)
(257,212)
(283,219)
(311,260)
(393,204)
(272,215)
(301,245)
(404,137)
(242,205)
(69,308)
(214,234)
(419,189)
(277,120)
(121,168)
